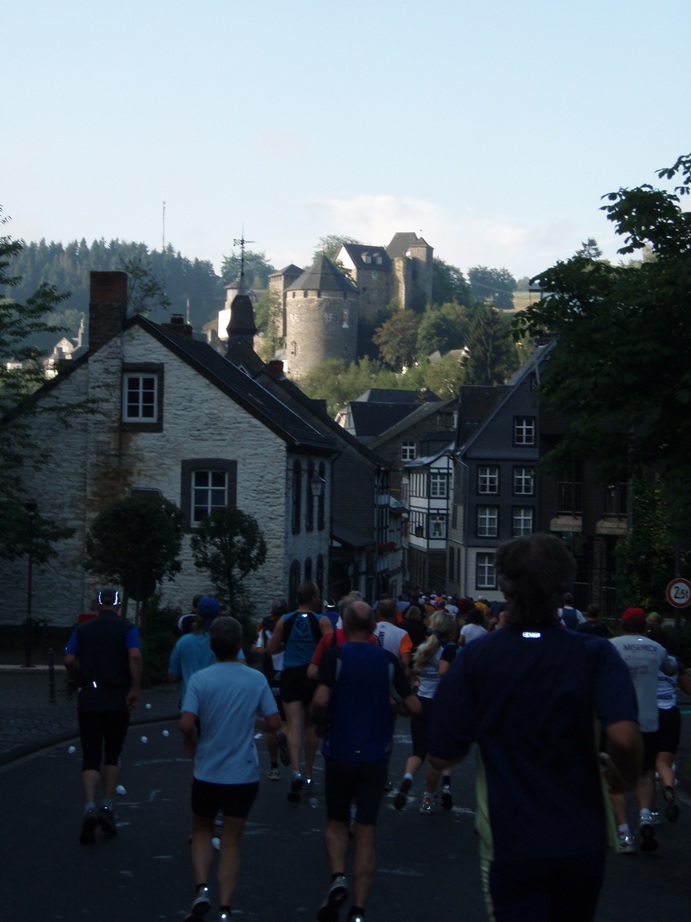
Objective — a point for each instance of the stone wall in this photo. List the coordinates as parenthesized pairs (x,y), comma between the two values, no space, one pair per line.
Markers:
(319,327)
(94,462)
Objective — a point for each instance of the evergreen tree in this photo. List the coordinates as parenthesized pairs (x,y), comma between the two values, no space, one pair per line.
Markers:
(492,357)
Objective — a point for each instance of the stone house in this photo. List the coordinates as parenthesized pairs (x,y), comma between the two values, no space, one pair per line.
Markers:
(175,418)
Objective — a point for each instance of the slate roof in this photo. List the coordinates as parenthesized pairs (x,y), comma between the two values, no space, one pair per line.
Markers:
(504,392)
(358,251)
(294,393)
(389,395)
(244,390)
(395,428)
(368,420)
(292,269)
(323,275)
(401,243)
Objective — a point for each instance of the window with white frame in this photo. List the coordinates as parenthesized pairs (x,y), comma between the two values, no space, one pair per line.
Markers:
(142,396)
(487,521)
(438,485)
(485,575)
(437,525)
(524,431)
(523,481)
(209,492)
(522,521)
(408,450)
(487,479)
(207,484)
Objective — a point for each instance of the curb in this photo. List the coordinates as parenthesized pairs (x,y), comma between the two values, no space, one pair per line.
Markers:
(20,752)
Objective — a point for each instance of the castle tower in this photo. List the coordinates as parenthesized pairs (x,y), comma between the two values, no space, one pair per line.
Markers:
(278,283)
(321,318)
(412,258)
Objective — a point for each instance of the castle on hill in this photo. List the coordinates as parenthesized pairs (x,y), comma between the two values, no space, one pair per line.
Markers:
(319,308)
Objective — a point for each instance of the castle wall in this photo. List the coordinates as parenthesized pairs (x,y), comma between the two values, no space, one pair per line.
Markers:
(319,326)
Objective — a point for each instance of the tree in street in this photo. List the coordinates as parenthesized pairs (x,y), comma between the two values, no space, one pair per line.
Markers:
(492,356)
(135,543)
(229,545)
(621,370)
(492,286)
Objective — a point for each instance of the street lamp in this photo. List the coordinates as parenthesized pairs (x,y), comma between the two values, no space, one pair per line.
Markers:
(31,508)
(317,484)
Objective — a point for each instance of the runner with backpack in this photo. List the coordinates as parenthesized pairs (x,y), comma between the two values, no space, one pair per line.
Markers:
(297,635)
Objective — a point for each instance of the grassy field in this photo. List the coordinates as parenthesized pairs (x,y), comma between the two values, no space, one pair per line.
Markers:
(521,299)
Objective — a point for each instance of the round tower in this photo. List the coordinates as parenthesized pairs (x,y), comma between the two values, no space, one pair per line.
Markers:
(321,318)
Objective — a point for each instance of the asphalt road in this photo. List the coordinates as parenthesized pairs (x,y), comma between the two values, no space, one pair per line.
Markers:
(428,866)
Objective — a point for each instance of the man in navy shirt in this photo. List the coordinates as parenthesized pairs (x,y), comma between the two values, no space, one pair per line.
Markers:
(104,657)
(537,699)
(352,710)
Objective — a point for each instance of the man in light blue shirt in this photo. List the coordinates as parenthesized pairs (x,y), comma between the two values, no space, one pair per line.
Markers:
(228,700)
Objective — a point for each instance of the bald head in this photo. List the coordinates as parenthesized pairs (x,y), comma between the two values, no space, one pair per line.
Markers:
(358,620)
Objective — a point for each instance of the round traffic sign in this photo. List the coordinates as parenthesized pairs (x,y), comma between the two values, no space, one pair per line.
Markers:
(679,593)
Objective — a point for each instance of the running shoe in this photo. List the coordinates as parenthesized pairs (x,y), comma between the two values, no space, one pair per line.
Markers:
(274,774)
(223,916)
(446,798)
(646,831)
(401,798)
(89,823)
(308,784)
(671,805)
(427,804)
(655,817)
(295,788)
(106,821)
(356,917)
(627,844)
(200,905)
(282,741)
(336,896)
(388,785)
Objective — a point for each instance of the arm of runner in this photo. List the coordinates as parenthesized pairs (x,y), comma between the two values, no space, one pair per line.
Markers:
(274,645)
(625,751)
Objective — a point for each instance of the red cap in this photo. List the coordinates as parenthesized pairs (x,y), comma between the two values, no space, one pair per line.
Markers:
(633,617)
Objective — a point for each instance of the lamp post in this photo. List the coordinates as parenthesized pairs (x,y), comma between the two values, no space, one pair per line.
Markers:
(31,508)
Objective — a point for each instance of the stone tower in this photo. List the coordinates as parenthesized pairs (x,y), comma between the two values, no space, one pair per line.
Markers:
(413,266)
(321,316)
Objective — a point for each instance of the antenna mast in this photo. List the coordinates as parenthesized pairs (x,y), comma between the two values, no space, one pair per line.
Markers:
(241,243)
(163,232)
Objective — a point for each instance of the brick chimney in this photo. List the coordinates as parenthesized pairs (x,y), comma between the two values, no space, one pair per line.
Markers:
(177,325)
(274,369)
(107,307)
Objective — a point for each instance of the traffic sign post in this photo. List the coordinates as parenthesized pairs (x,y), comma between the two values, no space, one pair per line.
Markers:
(678,592)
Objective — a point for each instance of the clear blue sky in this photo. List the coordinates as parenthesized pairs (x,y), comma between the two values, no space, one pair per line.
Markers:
(493,128)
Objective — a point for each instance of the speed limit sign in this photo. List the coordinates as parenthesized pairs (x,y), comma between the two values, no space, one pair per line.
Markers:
(679,593)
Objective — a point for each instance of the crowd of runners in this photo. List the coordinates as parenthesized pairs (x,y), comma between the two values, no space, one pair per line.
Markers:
(566,719)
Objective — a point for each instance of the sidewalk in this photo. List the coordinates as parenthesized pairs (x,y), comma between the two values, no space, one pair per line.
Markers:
(30,720)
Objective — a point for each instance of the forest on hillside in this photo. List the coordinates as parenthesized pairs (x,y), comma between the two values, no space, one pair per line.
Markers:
(180,282)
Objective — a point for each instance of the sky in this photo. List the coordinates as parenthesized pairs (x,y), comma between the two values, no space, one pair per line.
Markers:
(492,129)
